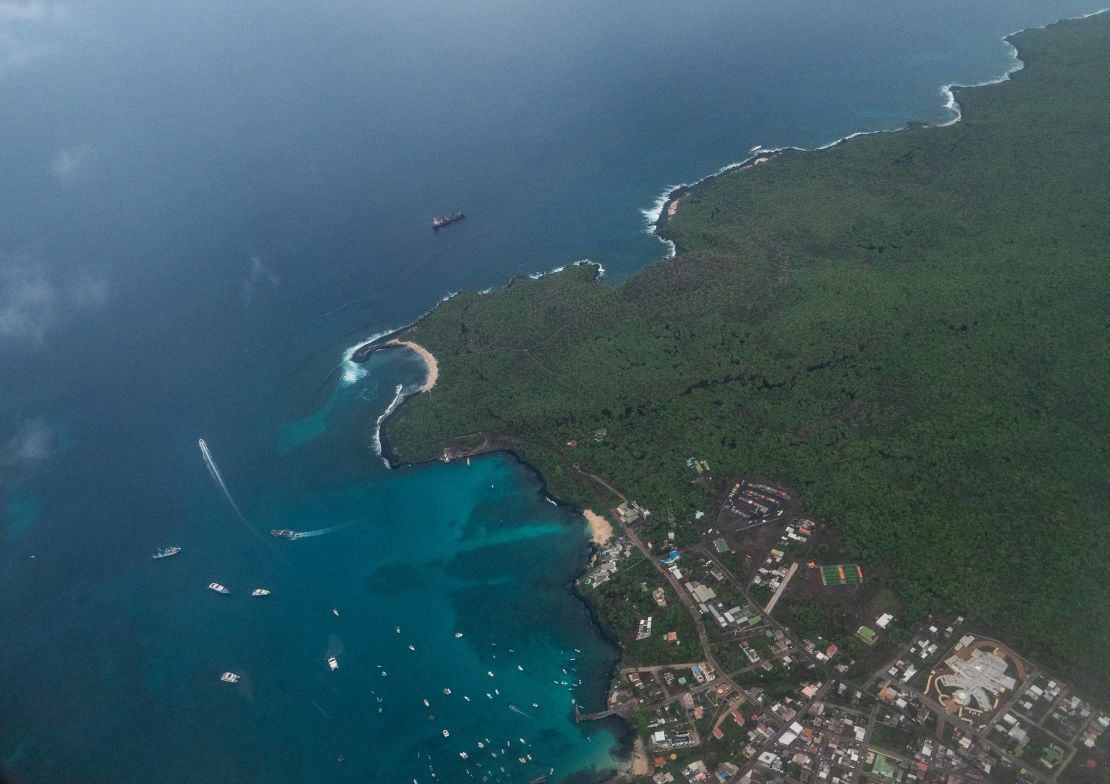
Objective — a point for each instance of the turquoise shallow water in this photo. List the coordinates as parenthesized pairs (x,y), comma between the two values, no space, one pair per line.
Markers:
(205,205)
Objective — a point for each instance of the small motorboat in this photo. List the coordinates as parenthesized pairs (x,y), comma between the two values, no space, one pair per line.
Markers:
(162,553)
(446,734)
(333,663)
(458,635)
(426,703)
(463,754)
(397,629)
(412,647)
(218,588)
(447,692)
(229,677)
(335,612)
(260,592)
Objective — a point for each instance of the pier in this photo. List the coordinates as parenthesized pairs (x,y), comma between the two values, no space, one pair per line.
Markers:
(625,710)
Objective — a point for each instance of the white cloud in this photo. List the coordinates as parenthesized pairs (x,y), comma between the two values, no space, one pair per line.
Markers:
(28,31)
(259,273)
(87,291)
(33,301)
(68,160)
(32,11)
(33,443)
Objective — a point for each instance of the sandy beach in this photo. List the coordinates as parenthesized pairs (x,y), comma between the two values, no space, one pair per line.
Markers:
(429,360)
(639,765)
(601,530)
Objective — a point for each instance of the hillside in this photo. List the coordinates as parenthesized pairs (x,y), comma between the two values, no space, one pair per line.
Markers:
(909,329)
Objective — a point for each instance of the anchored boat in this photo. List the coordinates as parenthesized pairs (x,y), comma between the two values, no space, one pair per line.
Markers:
(447,220)
(218,588)
(166,553)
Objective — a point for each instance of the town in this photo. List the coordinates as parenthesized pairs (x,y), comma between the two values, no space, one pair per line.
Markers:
(758,653)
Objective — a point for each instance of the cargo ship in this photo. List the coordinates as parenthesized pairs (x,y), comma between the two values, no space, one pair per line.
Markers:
(447,220)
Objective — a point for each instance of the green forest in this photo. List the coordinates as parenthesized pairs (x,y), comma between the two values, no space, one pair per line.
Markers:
(909,329)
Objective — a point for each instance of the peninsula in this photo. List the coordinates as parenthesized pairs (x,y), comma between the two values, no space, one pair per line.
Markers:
(867,400)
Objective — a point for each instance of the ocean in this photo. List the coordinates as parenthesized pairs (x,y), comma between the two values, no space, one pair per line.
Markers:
(206,205)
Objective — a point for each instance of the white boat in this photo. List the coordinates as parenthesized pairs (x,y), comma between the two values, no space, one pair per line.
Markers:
(412,647)
(426,703)
(333,663)
(397,629)
(162,553)
(260,592)
(458,635)
(490,674)
(446,734)
(229,677)
(335,612)
(218,588)
(447,692)
(520,668)
(463,754)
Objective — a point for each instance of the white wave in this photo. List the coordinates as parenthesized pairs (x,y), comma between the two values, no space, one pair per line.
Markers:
(653,213)
(949,90)
(538,275)
(399,395)
(353,371)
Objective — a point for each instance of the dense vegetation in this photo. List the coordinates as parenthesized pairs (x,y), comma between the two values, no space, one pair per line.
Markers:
(909,329)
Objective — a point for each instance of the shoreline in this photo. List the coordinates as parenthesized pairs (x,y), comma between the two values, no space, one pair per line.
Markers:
(665,207)
(601,530)
(656,216)
(362,353)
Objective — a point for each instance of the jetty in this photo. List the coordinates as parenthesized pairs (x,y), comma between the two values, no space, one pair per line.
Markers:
(623,709)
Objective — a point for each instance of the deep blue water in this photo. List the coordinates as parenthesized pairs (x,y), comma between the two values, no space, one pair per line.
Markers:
(204,205)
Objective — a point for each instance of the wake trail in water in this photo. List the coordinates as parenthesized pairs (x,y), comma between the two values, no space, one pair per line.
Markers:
(515,709)
(214,472)
(318,532)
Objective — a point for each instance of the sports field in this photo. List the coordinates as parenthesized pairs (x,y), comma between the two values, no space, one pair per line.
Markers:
(841,574)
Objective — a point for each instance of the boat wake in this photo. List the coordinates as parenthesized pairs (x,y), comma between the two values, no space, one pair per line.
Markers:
(214,471)
(217,477)
(318,532)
